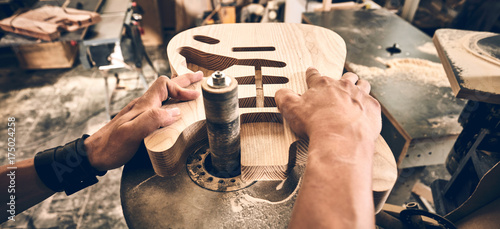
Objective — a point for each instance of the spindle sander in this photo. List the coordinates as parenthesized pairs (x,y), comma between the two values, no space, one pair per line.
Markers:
(232,161)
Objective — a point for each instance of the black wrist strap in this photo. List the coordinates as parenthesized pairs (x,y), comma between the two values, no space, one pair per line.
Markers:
(66,168)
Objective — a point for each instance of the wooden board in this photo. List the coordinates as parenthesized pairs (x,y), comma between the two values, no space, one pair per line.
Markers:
(473,72)
(46,22)
(151,22)
(282,53)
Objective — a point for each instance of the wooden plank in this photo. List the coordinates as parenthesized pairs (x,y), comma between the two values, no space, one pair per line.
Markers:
(472,74)
(327,5)
(227,14)
(409,9)
(423,191)
(167,9)
(265,136)
(151,22)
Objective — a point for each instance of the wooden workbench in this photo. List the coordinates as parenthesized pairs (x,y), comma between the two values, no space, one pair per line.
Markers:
(11,39)
(33,53)
(471,62)
(420,111)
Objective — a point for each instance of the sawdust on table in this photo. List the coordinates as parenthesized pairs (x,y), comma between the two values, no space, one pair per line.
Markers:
(469,72)
(446,121)
(469,42)
(246,209)
(413,69)
(455,50)
(428,48)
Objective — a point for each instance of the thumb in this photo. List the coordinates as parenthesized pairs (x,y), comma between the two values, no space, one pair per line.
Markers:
(151,120)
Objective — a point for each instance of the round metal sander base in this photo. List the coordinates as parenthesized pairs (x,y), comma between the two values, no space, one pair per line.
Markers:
(151,201)
(197,168)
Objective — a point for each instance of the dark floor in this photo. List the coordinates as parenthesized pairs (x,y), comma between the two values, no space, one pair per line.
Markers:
(53,107)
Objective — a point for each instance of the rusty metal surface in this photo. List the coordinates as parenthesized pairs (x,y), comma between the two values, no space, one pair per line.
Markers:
(200,175)
(150,201)
(418,115)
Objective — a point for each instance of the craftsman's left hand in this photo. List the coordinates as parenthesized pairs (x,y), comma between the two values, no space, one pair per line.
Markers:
(116,143)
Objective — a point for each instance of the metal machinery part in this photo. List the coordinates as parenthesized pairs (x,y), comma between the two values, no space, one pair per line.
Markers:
(219,80)
(220,98)
(197,171)
(415,221)
(151,201)
(208,193)
(475,152)
(411,218)
(407,217)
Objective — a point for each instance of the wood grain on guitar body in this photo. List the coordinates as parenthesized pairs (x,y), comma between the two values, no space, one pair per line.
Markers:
(263,58)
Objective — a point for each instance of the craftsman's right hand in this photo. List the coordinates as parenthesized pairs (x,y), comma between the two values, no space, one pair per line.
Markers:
(116,143)
(336,108)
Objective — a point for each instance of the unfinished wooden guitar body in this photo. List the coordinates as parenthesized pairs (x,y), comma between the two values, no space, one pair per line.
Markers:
(47,21)
(263,58)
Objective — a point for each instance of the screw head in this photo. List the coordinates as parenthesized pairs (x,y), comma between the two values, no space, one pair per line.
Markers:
(218,80)
(411,205)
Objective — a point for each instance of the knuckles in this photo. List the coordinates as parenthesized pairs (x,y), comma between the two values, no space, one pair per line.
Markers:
(162,80)
(287,98)
(155,115)
(344,83)
(323,80)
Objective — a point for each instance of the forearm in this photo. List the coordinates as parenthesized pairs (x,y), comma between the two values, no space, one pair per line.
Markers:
(336,188)
(22,183)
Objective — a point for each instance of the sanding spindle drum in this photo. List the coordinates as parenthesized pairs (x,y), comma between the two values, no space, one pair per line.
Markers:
(220,98)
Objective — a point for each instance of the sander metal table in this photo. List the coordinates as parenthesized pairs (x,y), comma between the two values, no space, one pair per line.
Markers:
(420,114)
(189,179)
(178,196)
(419,111)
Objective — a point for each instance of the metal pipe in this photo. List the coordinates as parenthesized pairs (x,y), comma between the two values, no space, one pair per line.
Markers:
(416,220)
(220,98)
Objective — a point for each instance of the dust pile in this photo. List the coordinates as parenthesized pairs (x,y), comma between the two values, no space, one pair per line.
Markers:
(412,69)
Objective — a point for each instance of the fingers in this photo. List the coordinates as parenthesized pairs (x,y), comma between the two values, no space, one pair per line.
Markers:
(312,76)
(161,90)
(364,86)
(151,120)
(189,78)
(164,87)
(284,97)
(350,77)
(176,86)
(177,92)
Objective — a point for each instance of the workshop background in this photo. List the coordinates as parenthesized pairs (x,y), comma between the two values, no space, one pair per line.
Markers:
(71,86)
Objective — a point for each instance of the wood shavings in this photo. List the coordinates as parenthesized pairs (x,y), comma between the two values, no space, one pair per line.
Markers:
(413,69)
(428,48)
(447,121)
